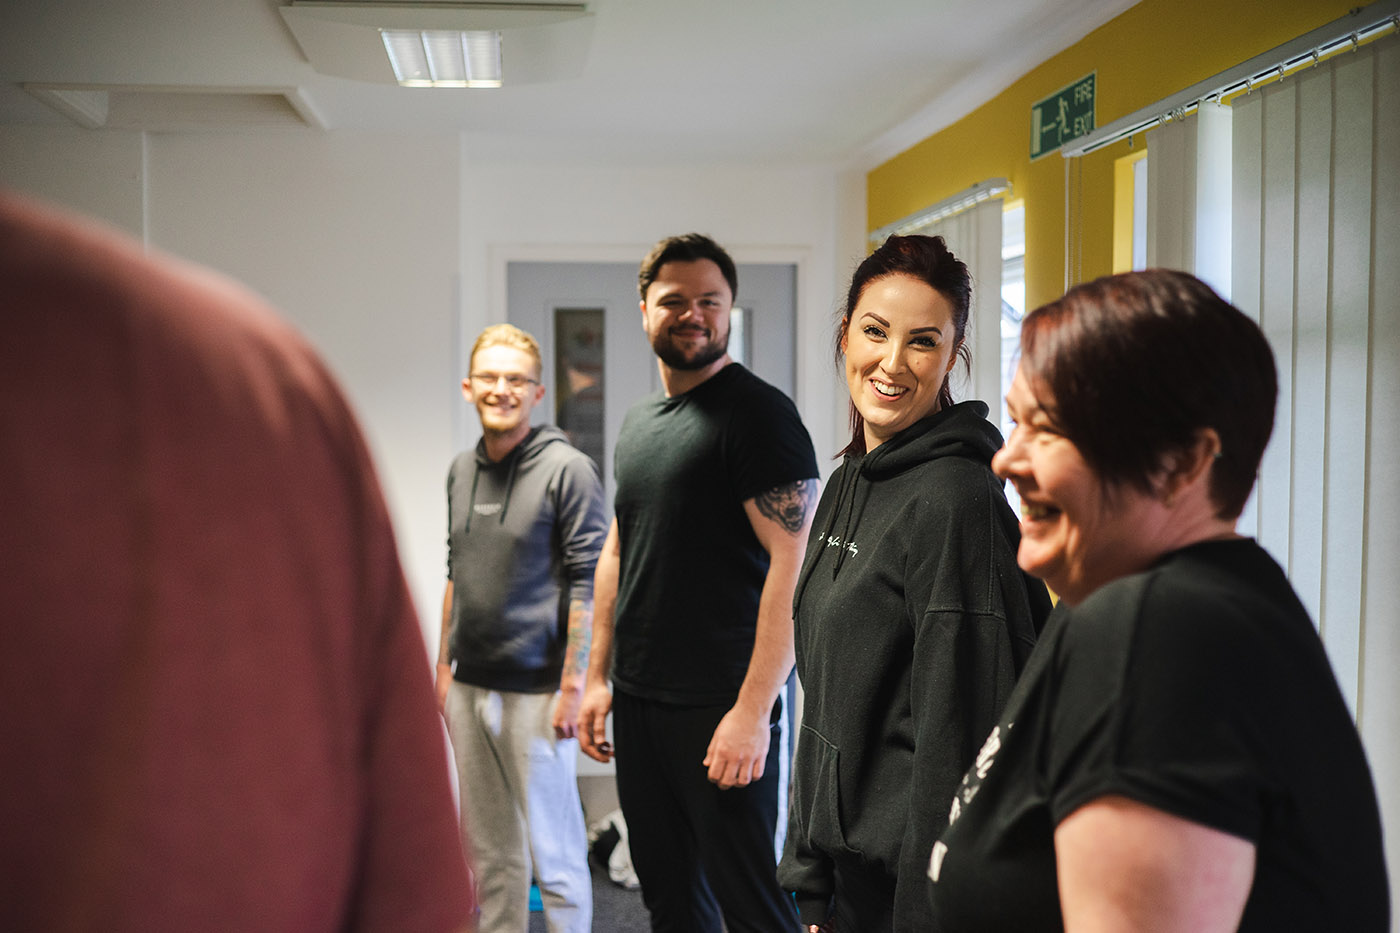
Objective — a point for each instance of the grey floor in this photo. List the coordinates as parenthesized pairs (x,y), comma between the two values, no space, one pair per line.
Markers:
(615,909)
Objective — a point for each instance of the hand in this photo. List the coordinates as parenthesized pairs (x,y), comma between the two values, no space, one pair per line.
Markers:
(443,683)
(593,722)
(738,749)
(566,710)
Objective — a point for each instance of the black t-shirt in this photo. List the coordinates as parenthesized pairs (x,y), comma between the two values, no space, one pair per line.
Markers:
(1200,688)
(692,568)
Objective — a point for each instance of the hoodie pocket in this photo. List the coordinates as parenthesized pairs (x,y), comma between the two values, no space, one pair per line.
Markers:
(816,793)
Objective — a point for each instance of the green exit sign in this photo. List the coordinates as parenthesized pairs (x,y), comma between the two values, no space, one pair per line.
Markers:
(1065,115)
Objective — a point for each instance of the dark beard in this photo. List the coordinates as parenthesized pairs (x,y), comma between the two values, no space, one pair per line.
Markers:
(666,351)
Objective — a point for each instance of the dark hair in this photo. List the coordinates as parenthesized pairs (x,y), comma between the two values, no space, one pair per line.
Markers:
(688,247)
(1131,367)
(927,259)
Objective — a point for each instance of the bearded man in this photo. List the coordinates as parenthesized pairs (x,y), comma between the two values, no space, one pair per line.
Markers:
(716,483)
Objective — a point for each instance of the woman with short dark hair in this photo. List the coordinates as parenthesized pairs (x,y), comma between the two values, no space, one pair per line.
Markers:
(1178,755)
(912,620)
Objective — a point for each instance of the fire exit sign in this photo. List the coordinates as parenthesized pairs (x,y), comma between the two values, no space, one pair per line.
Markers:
(1065,115)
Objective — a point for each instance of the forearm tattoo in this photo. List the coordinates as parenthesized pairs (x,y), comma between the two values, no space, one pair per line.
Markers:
(789,505)
(580,637)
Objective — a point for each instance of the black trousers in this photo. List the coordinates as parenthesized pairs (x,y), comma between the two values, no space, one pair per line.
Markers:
(700,852)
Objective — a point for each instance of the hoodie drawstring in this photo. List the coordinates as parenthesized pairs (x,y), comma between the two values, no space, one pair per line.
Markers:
(533,441)
(851,519)
(510,483)
(512,468)
(853,466)
(471,502)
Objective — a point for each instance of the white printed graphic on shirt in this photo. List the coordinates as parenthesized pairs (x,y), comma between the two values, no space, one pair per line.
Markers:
(971,783)
(988,754)
(935,862)
(835,541)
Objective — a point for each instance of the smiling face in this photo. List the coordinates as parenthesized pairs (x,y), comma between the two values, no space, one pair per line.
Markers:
(899,347)
(686,314)
(1076,535)
(504,412)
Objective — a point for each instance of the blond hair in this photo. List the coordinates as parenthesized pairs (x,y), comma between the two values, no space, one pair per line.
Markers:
(508,335)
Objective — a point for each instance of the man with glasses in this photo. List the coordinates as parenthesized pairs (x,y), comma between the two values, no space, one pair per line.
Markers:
(525,514)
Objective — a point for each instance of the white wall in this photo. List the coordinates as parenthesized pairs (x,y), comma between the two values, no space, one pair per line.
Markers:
(362,255)
(99,174)
(388,252)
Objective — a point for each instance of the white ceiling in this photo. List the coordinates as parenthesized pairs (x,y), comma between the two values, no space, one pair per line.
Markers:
(850,82)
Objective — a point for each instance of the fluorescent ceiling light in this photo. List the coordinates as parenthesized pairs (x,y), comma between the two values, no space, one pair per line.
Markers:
(444,58)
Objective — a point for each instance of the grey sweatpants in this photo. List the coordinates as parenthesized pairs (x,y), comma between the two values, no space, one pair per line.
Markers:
(520,809)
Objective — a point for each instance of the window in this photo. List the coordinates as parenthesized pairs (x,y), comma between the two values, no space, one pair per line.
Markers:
(578,378)
(738,335)
(1130,212)
(1013,308)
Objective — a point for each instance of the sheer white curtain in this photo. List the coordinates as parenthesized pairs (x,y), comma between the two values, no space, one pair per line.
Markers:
(974,236)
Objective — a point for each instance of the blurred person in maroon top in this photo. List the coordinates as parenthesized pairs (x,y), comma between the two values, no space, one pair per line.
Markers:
(218,709)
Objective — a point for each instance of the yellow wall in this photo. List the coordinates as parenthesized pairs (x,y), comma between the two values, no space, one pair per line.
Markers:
(1151,51)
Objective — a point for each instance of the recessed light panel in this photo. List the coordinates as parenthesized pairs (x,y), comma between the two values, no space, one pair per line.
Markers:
(444,58)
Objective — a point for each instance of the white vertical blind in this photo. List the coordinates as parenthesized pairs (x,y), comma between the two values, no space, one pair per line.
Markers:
(1188,195)
(1171,196)
(1212,196)
(1316,252)
(1315,259)
(1380,591)
(974,236)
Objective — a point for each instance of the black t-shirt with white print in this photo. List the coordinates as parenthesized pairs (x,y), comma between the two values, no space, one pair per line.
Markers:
(1198,687)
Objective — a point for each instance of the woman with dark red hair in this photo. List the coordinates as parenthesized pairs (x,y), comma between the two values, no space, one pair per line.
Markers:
(1178,755)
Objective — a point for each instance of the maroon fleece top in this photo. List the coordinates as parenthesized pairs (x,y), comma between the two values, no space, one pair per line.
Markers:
(215,704)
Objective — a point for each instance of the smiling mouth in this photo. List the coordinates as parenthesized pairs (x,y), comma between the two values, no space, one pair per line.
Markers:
(1035,512)
(886,390)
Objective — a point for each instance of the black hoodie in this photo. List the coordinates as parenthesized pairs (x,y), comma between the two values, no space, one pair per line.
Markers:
(912,625)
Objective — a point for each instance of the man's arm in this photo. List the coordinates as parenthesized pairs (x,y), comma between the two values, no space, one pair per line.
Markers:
(581,531)
(571,681)
(781,519)
(597,694)
(444,659)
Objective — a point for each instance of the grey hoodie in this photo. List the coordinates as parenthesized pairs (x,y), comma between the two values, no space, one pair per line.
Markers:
(523,539)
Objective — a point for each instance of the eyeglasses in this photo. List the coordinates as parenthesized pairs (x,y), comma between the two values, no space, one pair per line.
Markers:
(514,381)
